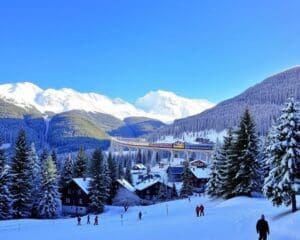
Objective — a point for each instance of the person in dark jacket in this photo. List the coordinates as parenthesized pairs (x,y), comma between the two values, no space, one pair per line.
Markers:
(262,228)
(96,220)
(197,211)
(140,215)
(201,210)
(88,219)
(78,220)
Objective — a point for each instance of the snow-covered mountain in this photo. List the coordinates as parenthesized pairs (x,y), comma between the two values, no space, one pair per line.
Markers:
(162,105)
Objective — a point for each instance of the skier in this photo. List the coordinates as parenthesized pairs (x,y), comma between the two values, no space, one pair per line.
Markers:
(201,208)
(96,220)
(78,220)
(88,219)
(262,228)
(140,215)
(197,210)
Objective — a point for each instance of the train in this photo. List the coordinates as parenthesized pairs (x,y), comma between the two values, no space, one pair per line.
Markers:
(176,145)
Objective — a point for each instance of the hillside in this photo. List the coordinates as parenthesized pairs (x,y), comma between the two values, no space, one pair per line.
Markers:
(232,219)
(264,100)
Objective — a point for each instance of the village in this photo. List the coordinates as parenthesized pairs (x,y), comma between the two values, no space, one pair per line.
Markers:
(163,182)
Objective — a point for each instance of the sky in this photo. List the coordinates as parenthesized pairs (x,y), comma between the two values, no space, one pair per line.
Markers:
(126,48)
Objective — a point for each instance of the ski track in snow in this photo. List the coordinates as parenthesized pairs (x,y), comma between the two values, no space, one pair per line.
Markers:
(233,219)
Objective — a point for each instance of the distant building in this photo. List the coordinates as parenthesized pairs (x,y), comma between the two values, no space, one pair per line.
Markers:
(149,190)
(125,194)
(75,196)
(198,164)
(175,174)
(200,178)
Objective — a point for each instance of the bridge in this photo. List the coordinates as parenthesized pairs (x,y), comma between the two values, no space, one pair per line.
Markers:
(205,150)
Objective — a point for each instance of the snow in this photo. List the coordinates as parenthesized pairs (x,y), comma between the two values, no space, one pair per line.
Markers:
(126,185)
(200,172)
(232,219)
(170,106)
(83,183)
(162,105)
(190,137)
(145,184)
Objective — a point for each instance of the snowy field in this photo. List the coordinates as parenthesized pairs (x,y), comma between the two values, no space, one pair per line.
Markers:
(232,219)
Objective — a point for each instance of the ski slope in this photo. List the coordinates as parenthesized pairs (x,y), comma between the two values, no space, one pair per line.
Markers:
(232,219)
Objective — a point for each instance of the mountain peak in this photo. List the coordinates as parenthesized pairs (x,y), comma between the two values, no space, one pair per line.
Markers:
(162,105)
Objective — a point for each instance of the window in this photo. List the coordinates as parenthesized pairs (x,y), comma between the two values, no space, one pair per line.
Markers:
(68,200)
(80,201)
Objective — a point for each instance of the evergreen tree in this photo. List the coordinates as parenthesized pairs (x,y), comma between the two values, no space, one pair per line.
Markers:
(139,157)
(283,181)
(163,193)
(174,193)
(97,186)
(81,164)
(212,186)
(226,166)
(120,169)
(44,157)
(67,173)
(187,184)
(36,178)
(112,166)
(128,175)
(247,176)
(21,187)
(5,181)
(54,158)
(108,184)
(50,204)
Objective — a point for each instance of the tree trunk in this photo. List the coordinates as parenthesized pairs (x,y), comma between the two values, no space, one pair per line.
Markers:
(294,203)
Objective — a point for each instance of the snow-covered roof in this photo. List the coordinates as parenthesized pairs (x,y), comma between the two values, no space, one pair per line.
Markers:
(139,166)
(126,185)
(148,183)
(83,183)
(200,172)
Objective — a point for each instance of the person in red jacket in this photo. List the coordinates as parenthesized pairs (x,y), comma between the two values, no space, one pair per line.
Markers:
(201,210)
(197,211)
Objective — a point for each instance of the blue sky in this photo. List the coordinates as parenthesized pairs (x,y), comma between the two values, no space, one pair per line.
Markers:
(198,49)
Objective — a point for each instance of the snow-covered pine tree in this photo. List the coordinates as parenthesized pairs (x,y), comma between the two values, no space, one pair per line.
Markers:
(36,178)
(128,175)
(212,187)
(174,193)
(120,169)
(283,182)
(54,158)
(139,157)
(67,173)
(107,180)
(81,164)
(5,181)
(97,186)
(44,156)
(247,179)
(50,203)
(21,185)
(187,184)
(227,166)
(112,165)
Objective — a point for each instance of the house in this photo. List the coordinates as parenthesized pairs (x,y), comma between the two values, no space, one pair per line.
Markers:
(175,174)
(139,167)
(75,196)
(149,189)
(198,164)
(125,194)
(200,178)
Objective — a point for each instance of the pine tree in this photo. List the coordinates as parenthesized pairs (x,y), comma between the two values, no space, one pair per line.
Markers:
(50,204)
(139,157)
(227,167)
(212,186)
(247,177)
(67,173)
(5,181)
(81,166)
(163,193)
(36,178)
(113,174)
(283,181)
(97,186)
(120,170)
(108,184)
(128,175)
(174,193)
(21,187)
(44,157)
(54,158)
(187,185)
